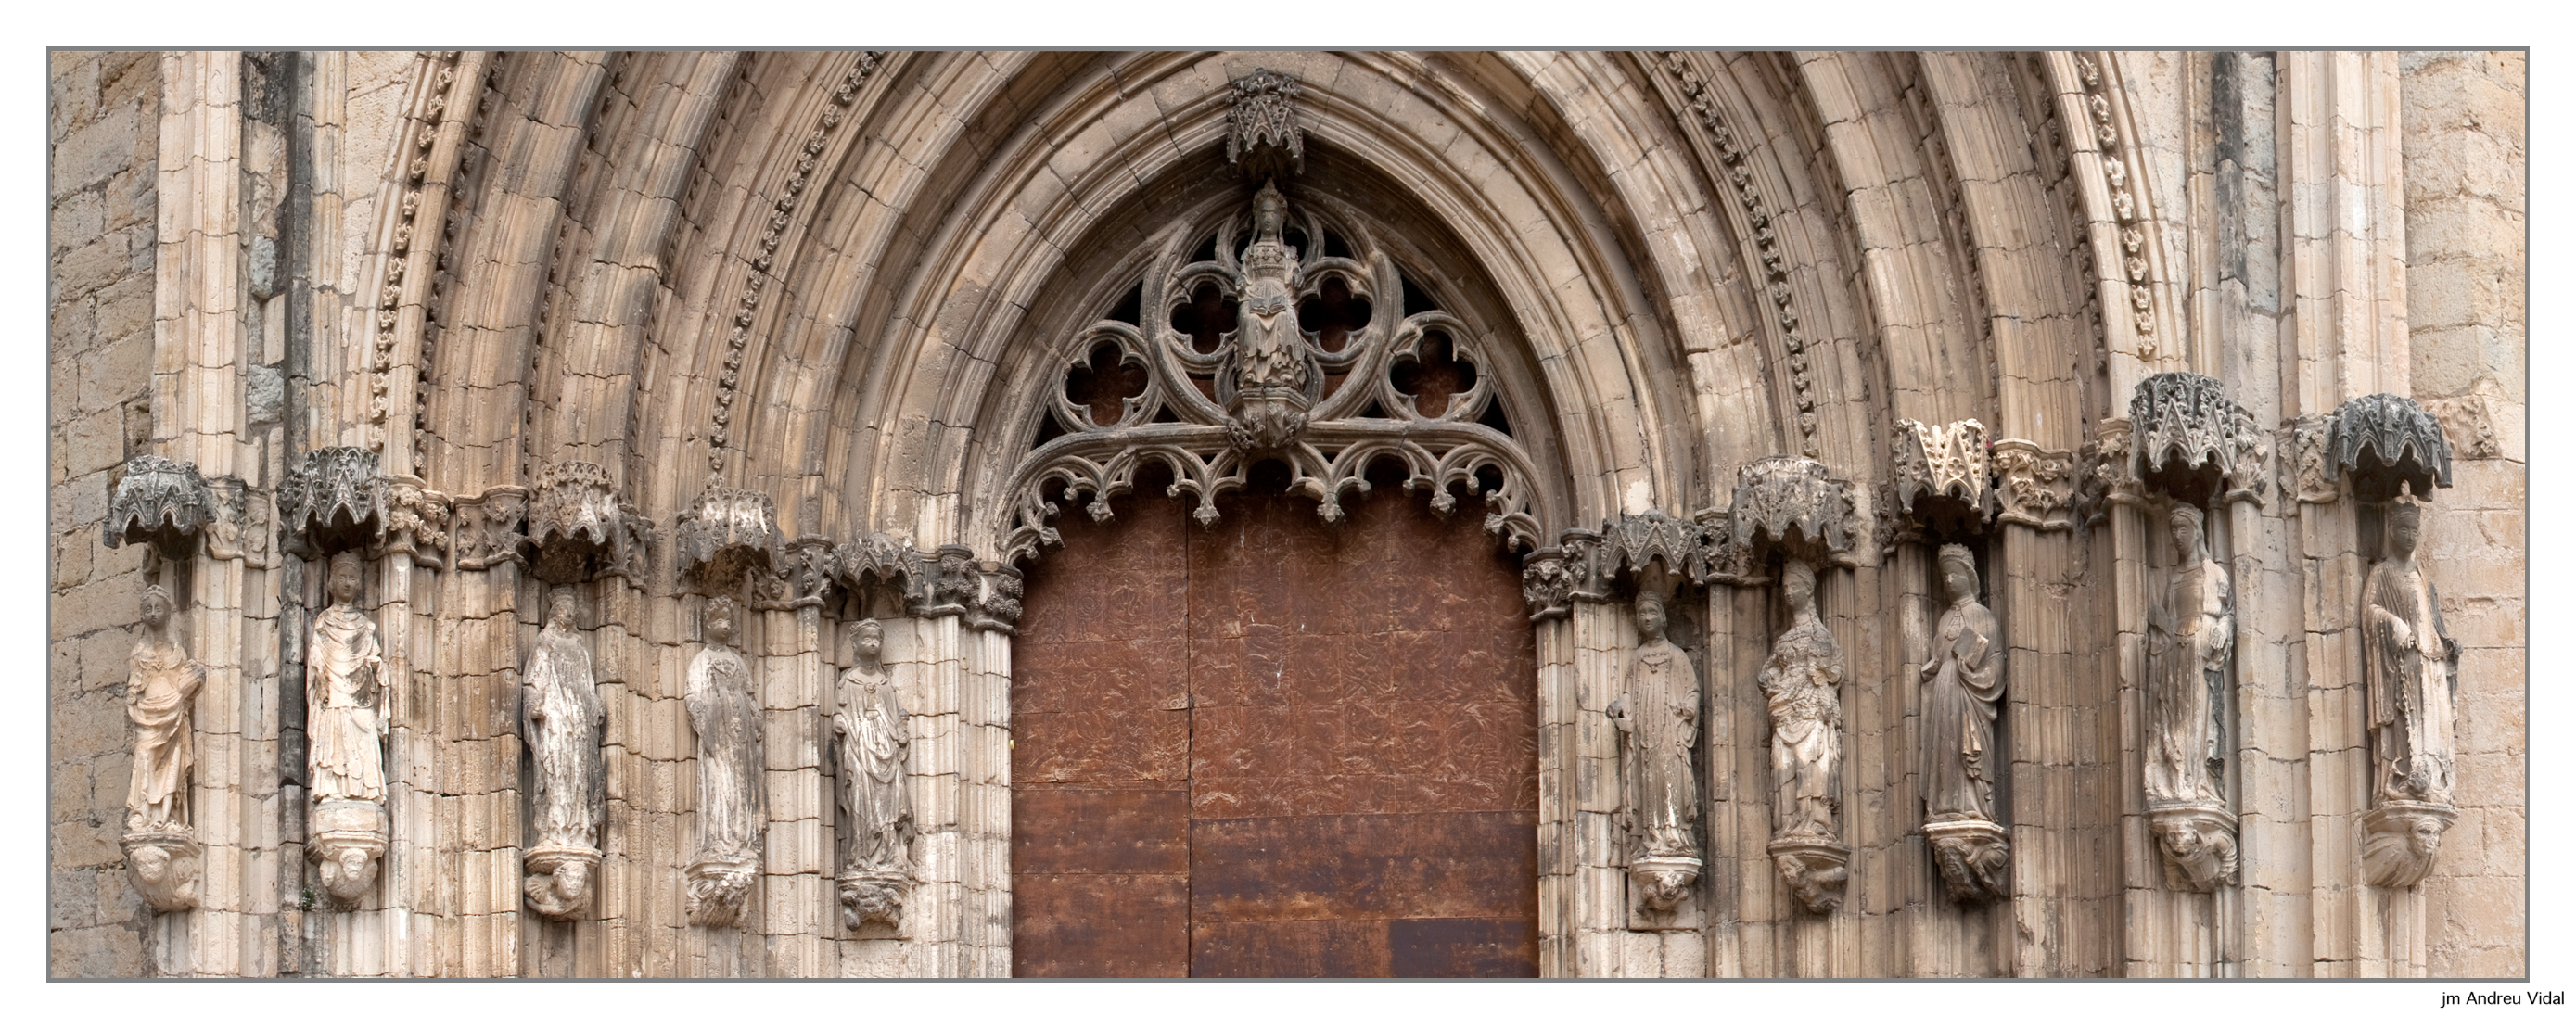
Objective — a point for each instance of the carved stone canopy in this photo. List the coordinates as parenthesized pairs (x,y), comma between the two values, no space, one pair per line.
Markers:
(2194,442)
(877,561)
(1796,506)
(1941,472)
(577,522)
(2384,440)
(1262,135)
(724,534)
(1278,335)
(162,501)
(333,500)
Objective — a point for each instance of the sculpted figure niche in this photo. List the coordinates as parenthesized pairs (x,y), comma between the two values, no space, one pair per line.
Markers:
(1269,407)
(2190,636)
(727,721)
(1658,722)
(160,692)
(1963,682)
(870,730)
(1803,681)
(2410,668)
(344,668)
(564,719)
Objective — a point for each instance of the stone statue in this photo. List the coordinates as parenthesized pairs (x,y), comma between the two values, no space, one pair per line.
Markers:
(1658,722)
(730,817)
(160,695)
(2191,634)
(2410,668)
(1268,408)
(344,668)
(1962,683)
(872,735)
(564,719)
(1803,681)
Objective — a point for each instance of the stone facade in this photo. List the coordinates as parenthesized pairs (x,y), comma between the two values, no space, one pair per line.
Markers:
(1775,349)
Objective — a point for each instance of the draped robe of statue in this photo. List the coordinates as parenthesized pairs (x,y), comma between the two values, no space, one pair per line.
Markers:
(1662,722)
(1269,344)
(344,723)
(727,721)
(2407,666)
(160,692)
(1959,713)
(1803,680)
(564,714)
(874,803)
(2189,638)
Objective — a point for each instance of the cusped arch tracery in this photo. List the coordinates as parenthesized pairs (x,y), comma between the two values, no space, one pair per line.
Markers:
(1274,329)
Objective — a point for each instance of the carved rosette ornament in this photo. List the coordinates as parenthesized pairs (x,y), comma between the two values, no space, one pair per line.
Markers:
(1249,346)
(2193,443)
(724,534)
(2384,441)
(160,695)
(333,500)
(579,524)
(161,501)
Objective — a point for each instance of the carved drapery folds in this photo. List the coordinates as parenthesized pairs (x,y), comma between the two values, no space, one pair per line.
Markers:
(346,702)
(1963,682)
(1657,718)
(2194,443)
(160,695)
(872,737)
(2410,668)
(1223,368)
(581,527)
(2190,638)
(1794,507)
(723,535)
(726,720)
(162,501)
(334,500)
(2383,441)
(1262,136)
(564,721)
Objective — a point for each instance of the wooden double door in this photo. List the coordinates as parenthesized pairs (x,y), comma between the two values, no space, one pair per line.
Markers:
(1274,747)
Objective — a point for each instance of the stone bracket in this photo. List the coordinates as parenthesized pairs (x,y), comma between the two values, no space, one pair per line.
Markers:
(725,534)
(161,501)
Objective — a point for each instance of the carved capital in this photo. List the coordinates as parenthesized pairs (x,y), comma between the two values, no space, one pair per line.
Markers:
(162,501)
(2036,486)
(1796,506)
(2384,440)
(333,500)
(724,534)
(1943,462)
(2316,482)
(245,524)
(2109,472)
(2194,443)
(810,567)
(984,593)
(1262,134)
(488,528)
(416,520)
(1547,586)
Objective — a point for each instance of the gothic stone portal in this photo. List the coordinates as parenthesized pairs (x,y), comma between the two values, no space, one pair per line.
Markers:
(1274,748)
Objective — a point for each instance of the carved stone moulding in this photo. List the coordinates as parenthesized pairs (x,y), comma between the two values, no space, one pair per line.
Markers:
(1796,506)
(2402,442)
(724,534)
(2037,486)
(1974,856)
(348,838)
(165,864)
(2198,843)
(160,501)
(335,499)
(1815,869)
(559,879)
(578,523)
(2195,443)
(2400,839)
(873,895)
(1262,134)
(1941,472)
(718,887)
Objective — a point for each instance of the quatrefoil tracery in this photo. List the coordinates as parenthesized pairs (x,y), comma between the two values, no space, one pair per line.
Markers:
(1249,347)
